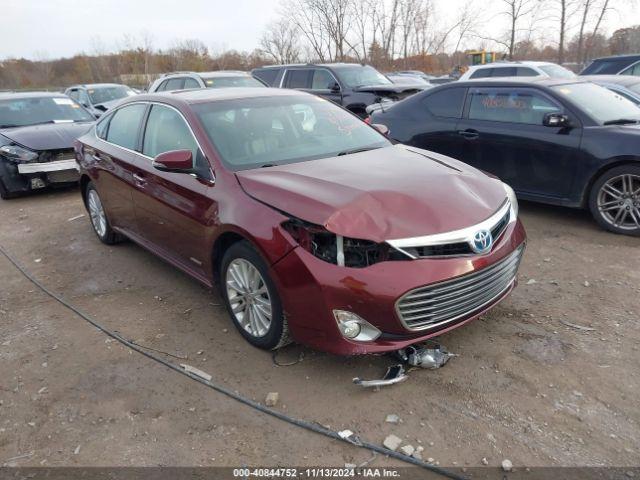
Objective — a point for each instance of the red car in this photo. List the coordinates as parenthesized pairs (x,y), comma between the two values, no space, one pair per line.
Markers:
(315,226)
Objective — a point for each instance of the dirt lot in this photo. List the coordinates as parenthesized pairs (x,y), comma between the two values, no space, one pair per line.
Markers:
(527,386)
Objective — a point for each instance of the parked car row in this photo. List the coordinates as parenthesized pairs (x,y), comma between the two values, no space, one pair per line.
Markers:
(348,236)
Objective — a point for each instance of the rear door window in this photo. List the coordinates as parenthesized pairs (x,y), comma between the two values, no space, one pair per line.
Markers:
(191,83)
(482,73)
(526,72)
(504,72)
(174,84)
(298,79)
(510,106)
(446,103)
(124,126)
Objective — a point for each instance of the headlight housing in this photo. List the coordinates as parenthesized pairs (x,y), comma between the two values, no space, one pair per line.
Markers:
(18,154)
(511,195)
(342,251)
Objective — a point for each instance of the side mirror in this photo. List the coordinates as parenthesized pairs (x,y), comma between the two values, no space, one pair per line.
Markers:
(334,87)
(555,120)
(176,161)
(383,129)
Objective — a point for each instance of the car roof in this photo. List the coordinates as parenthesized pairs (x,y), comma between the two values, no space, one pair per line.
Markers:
(205,95)
(525,63)
(223,73)
(303,65)
(97,85)
(15,95)
(623,80)
(515,82)
(631,56)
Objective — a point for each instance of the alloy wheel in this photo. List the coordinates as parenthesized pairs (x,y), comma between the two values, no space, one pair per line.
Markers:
(249,297)
(619,201)
(98,218)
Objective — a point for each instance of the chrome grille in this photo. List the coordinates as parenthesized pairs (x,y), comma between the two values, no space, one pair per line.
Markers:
(455,243)
(447,301)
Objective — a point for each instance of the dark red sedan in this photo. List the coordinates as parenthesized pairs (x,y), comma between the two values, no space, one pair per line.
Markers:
(314,225)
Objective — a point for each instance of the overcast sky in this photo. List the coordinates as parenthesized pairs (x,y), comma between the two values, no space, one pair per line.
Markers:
(62,28)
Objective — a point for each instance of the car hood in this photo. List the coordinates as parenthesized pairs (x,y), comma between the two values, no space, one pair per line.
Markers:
(50,136)
(384,194)
(386,89)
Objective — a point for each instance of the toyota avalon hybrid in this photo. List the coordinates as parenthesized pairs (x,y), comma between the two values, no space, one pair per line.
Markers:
(313,224)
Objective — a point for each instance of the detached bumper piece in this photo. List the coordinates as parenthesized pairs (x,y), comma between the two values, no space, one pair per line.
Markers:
(395,374)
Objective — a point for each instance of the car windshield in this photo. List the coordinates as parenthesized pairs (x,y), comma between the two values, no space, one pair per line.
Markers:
(107,94)
(602,67)
(226,82)
(266,131)
(600,103)
(358,76)
(19,112)
(556,71)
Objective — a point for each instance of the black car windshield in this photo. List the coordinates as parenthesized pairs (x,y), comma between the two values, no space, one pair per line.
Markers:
(265,131)
(600,103)
(226,82)
(19,112)
(107,94)
(358,76)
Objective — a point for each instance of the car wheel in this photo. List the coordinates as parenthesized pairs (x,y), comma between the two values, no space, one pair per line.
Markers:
(251,297)
(98,217)
(615,200)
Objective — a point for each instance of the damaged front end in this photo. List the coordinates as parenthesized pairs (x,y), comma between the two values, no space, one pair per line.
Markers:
(22,169)
(339,250)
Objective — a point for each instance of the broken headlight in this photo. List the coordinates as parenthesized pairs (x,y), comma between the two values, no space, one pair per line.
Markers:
(18,154)
(339,250)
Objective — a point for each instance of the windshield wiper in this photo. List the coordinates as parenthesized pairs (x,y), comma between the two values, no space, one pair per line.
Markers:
(267,165)
(9,125)
(621,121)
(356,150)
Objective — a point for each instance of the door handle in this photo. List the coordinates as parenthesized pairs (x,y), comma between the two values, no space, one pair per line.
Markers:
(469,134)
(139,179)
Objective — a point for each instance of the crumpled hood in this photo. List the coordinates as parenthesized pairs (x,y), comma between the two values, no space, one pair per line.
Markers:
(384,194)
(50,136)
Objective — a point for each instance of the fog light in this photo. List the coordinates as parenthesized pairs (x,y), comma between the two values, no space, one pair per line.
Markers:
(350,329)
(353,327)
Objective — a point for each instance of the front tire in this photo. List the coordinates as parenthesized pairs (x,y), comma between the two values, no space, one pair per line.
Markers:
(98,216)
(251,297)
(614,200)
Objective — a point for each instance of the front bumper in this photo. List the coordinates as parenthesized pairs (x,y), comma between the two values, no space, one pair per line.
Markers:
(47,167)
(311,289)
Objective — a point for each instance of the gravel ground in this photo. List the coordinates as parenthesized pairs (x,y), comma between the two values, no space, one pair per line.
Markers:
(550,377)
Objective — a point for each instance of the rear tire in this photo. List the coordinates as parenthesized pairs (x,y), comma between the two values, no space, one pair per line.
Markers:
(98,217)
(614,200)
(251,297)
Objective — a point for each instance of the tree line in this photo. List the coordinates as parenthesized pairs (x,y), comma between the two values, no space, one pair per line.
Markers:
(388,34)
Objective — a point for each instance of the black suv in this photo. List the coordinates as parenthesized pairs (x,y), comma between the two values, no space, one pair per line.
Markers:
(565,142)
(351,85)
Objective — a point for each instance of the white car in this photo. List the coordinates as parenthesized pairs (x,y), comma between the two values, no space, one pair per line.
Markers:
(517,69)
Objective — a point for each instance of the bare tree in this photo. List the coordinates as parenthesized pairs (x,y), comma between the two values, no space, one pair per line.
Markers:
(516,11)
(604,8)
(280,41)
